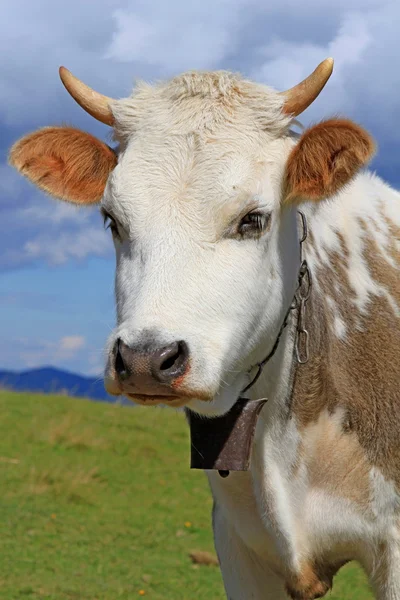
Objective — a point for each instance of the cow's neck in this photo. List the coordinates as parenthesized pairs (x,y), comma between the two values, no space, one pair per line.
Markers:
(352,318)
(279,373)
(296,393)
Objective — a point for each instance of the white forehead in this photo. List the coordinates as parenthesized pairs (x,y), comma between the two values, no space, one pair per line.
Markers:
(199,102)
(201,139)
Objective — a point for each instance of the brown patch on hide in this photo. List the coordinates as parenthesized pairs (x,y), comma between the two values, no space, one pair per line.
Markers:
(394,232)
(381,271)
(358,375)
(324,441)
(326,157)
(314,388)
(336,285)
(64,162)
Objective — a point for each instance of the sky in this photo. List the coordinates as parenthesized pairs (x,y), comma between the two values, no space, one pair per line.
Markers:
(56,261)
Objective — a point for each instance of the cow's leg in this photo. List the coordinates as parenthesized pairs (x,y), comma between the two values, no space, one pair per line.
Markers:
(244,576)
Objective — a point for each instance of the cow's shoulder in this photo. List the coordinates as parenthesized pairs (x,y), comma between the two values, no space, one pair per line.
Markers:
(348,395)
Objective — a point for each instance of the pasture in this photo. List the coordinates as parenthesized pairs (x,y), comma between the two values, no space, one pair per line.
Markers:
(98,502)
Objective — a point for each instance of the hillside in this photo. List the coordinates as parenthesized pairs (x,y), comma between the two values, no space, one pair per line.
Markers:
(50,380)
(98,502)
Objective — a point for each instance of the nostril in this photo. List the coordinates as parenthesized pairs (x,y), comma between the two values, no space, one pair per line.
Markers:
(119,362)
(173,360)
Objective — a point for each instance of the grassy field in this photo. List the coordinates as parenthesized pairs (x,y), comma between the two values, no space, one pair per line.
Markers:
(98,502)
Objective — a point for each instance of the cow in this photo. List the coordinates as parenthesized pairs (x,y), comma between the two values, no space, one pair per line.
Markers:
(254,262)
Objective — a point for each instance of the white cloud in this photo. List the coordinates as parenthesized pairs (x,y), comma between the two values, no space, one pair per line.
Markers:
(56,213)
(77,244)
(45,352)
(71,343)
(289,62)
(176,36)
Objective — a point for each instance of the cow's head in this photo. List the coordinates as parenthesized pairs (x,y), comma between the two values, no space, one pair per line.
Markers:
(200,196)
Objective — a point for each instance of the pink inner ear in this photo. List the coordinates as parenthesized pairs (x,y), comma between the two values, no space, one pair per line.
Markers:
(326,157)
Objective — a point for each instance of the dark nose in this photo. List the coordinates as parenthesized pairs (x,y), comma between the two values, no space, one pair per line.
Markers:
(144,365)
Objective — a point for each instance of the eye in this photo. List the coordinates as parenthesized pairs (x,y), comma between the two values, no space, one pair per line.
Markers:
(110,223)
(254,223)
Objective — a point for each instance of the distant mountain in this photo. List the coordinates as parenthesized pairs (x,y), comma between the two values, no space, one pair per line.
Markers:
(55,381)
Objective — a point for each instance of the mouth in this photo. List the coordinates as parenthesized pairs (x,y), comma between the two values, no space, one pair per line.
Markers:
(146,397)
(180,398)
(154,400)
(154,396)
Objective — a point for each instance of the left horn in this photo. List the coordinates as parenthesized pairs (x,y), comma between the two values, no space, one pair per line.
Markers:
(299,97)
(97,105)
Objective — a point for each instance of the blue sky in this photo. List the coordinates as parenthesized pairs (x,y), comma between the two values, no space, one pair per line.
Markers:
(56,262)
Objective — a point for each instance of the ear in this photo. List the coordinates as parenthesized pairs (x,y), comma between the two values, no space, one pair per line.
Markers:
(64,162)
(326,157)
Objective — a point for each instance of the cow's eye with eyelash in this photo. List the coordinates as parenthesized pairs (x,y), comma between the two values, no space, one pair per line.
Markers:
(110,223)
(253,224)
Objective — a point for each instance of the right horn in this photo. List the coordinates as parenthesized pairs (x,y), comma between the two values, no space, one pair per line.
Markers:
(97,105)
(299,97)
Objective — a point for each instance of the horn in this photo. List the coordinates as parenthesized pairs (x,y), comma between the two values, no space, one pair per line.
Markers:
(299,97)
(97,105)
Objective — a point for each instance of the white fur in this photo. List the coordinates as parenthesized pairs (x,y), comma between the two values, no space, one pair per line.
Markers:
(367,200)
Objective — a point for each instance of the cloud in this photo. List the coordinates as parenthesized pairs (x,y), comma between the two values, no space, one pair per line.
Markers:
(37,229)
(45,352)
(205,35)
(72,352)
(77,244)
(109,43)
(71,343)
(60,212)
(287,62)
(364,39)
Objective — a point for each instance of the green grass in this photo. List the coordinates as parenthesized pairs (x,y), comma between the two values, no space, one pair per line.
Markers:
(98,502)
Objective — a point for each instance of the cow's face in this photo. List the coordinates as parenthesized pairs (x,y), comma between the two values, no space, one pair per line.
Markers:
(206,263)
(201,207)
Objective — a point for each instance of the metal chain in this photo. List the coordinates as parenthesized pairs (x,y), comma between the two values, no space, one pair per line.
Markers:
(300,299)
(302,296)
